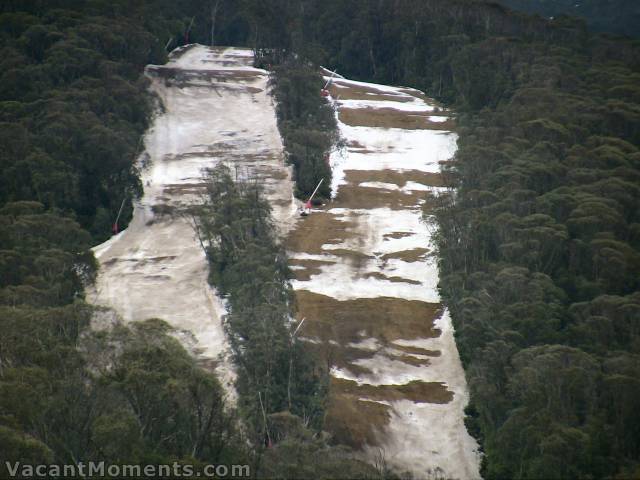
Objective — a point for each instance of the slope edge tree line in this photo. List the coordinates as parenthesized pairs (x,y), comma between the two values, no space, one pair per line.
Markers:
(540,247)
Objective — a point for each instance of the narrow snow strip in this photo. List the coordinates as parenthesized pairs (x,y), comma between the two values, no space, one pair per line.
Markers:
(375,86)
(392,248)
(414,106)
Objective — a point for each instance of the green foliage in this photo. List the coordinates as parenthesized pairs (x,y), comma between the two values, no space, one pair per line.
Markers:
(307,125)
(74,103)
(616,16)
(539,247)
(73,106)
(130,395)
(275,373)
(298,455)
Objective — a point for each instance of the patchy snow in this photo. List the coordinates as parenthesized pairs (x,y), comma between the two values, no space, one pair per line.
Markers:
(329,73)
(432,428)
(414,106)
(156,267)
(196,58)
(382,185)
(424,438)
(408,187)
(386,89)
(391,149)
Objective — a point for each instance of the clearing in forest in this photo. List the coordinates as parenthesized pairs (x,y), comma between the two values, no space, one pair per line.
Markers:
(367,285)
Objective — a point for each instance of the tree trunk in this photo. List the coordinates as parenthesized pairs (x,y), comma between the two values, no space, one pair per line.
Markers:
(214,13)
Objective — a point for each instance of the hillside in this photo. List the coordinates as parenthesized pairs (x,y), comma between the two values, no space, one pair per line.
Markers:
(518,261)
(621,17)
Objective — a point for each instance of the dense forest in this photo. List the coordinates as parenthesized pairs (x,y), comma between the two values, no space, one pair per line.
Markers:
(73,106)
(280,386)
(620,17)
(539,248)
(306,123)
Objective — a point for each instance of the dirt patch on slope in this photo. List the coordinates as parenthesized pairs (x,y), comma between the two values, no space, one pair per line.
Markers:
(417,391)
(397,177)
(355,414)
(394,279)
(352,421)
(309,268)
(357,197)
(391,118)
(319,229)
(412,255)
(383,318)
(349,91)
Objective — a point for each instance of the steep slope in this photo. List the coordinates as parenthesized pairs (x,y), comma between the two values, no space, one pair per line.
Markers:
(364,278)
(215,107)
(368,287)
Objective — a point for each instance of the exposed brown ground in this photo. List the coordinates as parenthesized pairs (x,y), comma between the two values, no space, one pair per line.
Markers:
(394,279)
(349,321)
(391,118)
(345,91)
(354,196)
(413,255)
(317,230)
(220,75)
(388,236)
(416,391)
(338,328)
(311,267)
(394,176)
(354,421)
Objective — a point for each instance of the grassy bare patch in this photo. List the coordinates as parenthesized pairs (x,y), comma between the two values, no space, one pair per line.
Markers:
(385,319)
(397,177)
(394,279)
(317,230)
(310,268)
(412,255)
(356,197)
(354,416)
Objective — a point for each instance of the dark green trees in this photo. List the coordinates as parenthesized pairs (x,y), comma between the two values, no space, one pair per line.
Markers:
(249,268)
(307,125)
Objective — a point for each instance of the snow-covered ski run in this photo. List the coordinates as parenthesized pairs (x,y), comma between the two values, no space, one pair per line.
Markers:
(364,277)
(215,107)
(367,285)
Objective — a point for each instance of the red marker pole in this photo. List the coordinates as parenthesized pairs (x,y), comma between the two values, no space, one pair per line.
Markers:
(115,224)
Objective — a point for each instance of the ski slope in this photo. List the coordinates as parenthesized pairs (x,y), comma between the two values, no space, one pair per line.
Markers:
(365,277)
(367,284)
(215,107)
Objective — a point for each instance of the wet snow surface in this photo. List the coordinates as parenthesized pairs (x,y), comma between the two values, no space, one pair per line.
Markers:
(365,277)
(216,108)
(367,284)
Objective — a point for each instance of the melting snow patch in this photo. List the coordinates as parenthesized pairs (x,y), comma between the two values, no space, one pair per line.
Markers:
(415,106)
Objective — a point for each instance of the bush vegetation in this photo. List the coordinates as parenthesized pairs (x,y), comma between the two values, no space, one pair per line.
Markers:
(73,105)
(249,268)
(307,125)
(281,389)
(539,249)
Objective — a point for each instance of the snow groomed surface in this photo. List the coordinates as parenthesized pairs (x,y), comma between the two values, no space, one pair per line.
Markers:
(367,285)
(215,108)
(364,277)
